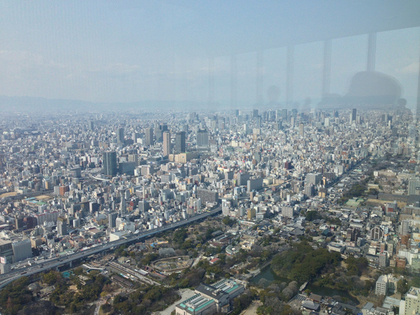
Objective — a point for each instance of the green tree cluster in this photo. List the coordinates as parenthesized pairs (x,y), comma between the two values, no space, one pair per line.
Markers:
(87,293)
(228,221)
(145,301)
(180,235)
(147,259)
(52,277)
(242,302)
(355,266)
(303,263)
(15,296)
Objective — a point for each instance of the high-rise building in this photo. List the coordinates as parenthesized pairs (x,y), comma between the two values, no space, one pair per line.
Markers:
(301,130)
(112,219)
(76,223)
(381,287)
(405,227)
(309,190)
(22,250)
(120,135)
(159,130)
(353,115)
(313,178)
(180,142)
(259,121)
(202,138)
(411,304)
(166,143)
(247,130)
(284,114)
(62,226)
(149,136)
(91,125)
(6,252)
(110,163)
(135,136)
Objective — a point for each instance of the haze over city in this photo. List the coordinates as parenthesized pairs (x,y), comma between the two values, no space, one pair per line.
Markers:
(209,157)
(181,52)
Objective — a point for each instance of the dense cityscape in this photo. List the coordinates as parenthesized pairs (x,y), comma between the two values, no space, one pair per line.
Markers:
(210,212)
(209,157)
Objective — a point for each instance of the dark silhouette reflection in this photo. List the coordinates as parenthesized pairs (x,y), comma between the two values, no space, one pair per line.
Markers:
(371,87)
(368,88)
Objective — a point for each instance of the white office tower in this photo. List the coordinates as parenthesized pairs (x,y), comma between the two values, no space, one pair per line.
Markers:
(247,130)
(225,207)
(411,304)
(76,223)
(198,204)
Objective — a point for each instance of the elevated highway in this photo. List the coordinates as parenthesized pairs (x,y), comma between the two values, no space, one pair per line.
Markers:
(54,263)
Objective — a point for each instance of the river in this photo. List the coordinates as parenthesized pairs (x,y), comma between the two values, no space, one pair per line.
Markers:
(268,274)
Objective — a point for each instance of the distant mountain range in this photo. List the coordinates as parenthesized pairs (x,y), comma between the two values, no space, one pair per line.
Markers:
(41,105)
(38,104)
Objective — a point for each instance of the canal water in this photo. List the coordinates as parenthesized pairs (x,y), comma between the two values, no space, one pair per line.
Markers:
(268,274)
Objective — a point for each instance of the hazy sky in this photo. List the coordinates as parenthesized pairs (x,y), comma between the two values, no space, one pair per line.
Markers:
(127,51)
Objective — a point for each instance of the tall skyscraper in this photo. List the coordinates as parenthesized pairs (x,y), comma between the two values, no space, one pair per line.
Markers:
(353,115)
(166,143)
(135,136)
(112,218)
(202,138)
(110,163)
(284,113)
(149,136)
(120,135)
(61,226)
(259,120)
(301,130)
(180,142)
(159,130)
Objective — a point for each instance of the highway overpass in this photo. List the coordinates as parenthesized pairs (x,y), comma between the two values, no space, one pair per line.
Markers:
(54,263)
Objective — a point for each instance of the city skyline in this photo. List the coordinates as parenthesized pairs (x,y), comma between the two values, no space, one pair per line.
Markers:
(121,54)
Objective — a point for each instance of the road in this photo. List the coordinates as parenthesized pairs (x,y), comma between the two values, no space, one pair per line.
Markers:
(130,272)
(50,264)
